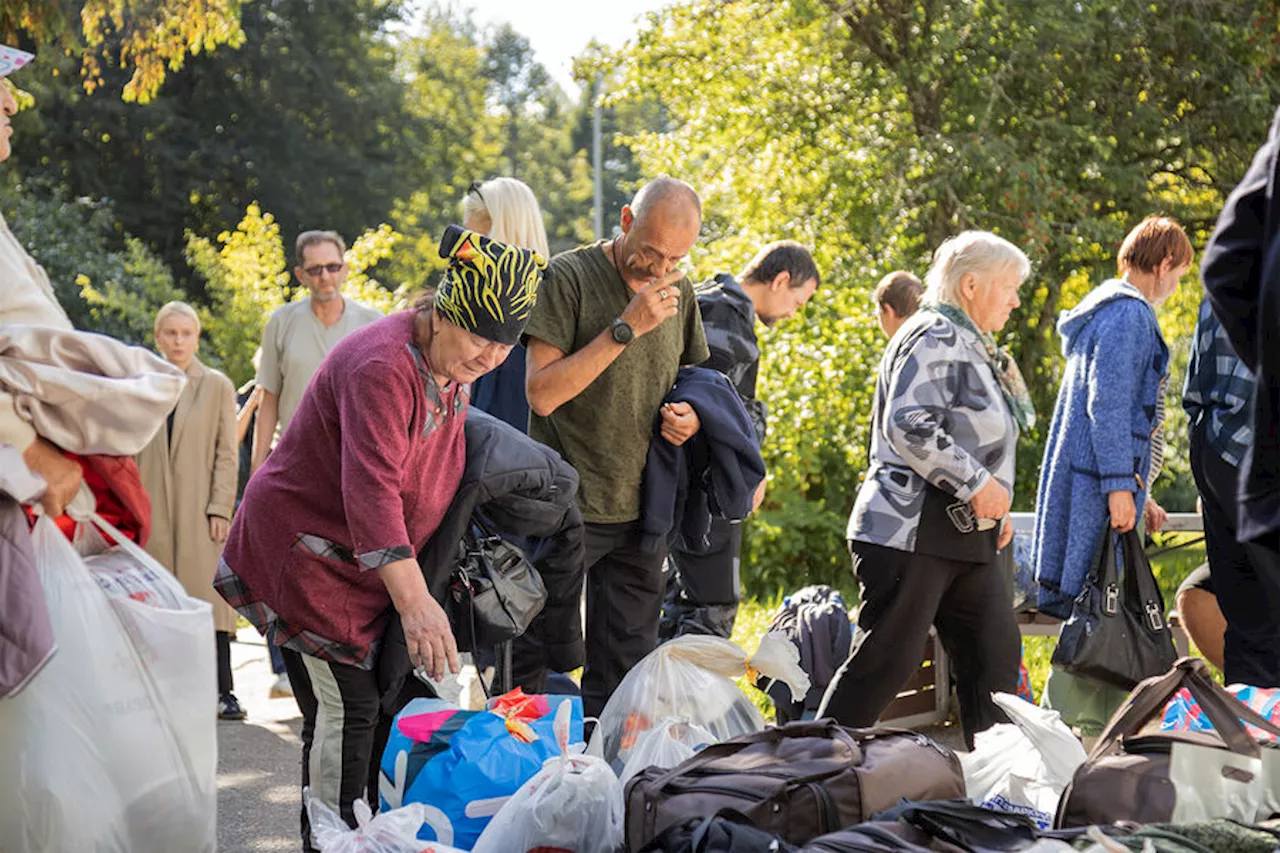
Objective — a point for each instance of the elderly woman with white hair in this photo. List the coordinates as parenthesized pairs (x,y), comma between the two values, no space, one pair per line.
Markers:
(189,471)
(934,508)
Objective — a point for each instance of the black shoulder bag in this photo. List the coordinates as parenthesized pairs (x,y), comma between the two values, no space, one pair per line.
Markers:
(494,591)
(1117,633)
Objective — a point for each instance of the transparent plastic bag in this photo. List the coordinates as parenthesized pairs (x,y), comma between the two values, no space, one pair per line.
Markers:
(395,831)
(1024,766)
(573,804)
(104,748)
(690,680)
(665,746)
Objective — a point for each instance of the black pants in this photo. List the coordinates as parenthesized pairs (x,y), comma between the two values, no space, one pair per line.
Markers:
(340,707)
(1246,579)
(902,595)
(226,682)
(703,584)
(624,602)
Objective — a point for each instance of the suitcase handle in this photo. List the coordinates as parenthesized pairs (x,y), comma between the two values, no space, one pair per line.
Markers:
(1222,709)
(826,727)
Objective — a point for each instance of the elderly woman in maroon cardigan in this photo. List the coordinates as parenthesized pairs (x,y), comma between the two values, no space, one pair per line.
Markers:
(326,537)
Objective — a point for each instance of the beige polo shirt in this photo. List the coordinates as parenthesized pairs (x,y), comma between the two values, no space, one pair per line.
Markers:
(294,344)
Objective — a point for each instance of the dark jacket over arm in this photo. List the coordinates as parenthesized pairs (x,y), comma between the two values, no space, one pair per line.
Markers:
(1241,273)
(714,473)
(525,491)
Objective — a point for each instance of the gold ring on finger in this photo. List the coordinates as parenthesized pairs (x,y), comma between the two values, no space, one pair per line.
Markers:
(662,294)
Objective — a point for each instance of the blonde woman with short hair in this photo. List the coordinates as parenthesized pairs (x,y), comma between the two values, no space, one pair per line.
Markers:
(506,210)
(189,471)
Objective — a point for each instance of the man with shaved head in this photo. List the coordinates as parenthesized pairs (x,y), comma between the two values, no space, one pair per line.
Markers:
(614,322)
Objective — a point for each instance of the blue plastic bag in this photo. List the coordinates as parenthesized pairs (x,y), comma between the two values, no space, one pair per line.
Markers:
(463,765)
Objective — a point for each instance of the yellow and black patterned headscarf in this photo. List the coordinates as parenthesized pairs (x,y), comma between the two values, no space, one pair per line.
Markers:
(489,287)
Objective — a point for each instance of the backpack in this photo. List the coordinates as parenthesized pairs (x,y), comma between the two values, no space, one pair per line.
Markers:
(816,621)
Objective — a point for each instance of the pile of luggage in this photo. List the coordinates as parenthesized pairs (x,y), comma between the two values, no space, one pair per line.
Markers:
(681,761)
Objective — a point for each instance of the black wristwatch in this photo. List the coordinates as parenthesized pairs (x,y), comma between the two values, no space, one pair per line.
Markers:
(622,332)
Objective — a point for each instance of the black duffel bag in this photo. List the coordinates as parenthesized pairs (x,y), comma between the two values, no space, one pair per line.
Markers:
(798,781)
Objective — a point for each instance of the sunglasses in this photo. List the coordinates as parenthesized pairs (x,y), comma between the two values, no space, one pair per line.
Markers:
(475,188)
(331,269)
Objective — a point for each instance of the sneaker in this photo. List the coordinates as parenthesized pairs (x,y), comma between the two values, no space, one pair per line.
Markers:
(229,708)
(281,688)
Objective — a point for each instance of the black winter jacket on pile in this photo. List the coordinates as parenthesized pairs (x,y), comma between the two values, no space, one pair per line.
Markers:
(526,492)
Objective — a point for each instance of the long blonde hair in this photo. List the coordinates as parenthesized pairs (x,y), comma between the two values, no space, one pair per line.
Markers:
(513,212)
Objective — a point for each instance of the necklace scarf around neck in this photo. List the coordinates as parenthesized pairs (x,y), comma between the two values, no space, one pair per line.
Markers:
(1012,385)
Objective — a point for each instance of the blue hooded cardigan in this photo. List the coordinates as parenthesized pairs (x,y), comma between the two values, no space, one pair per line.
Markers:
(1100,438)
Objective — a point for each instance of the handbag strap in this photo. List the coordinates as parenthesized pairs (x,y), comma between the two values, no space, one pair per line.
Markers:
(1141,593)
(1103,574)
(1151,695)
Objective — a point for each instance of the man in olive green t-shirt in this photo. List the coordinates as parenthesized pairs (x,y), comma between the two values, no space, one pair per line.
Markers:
(614,322)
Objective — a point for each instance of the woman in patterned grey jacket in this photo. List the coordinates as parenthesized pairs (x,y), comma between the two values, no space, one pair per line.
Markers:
(934,507)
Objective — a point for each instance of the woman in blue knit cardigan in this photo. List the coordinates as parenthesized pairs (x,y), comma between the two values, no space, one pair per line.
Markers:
(1098,459)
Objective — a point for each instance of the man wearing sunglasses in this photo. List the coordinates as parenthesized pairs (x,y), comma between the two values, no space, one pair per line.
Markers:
(299,335)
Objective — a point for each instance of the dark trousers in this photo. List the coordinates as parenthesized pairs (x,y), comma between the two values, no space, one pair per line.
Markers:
(703,584)
(340,707)
(902,595)
(624,602)
(226,682)
(1246,579)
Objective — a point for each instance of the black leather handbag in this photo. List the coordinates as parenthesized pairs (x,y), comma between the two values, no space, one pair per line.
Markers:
(494,592)
(1117,632)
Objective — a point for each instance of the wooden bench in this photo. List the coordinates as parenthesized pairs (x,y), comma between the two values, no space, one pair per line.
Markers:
(925,699)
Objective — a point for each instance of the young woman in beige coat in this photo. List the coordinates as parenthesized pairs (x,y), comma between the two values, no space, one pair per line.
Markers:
(189,470)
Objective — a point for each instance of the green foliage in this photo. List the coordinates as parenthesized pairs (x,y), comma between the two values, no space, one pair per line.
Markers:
(146,36)
(367,252)
(443,65)
(307,119)
(874,130)
(246,279)
(106,281)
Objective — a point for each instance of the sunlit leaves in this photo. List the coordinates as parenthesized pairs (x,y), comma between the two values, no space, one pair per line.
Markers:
(149,37)
(874,129)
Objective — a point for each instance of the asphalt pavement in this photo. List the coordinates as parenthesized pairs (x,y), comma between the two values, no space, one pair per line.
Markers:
(259,760)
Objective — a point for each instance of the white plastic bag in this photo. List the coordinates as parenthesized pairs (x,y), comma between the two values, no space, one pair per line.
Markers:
(573,804)
(100,752)
(121,575)
(395,831)
(1025,766)
(665,746)
(689,680)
